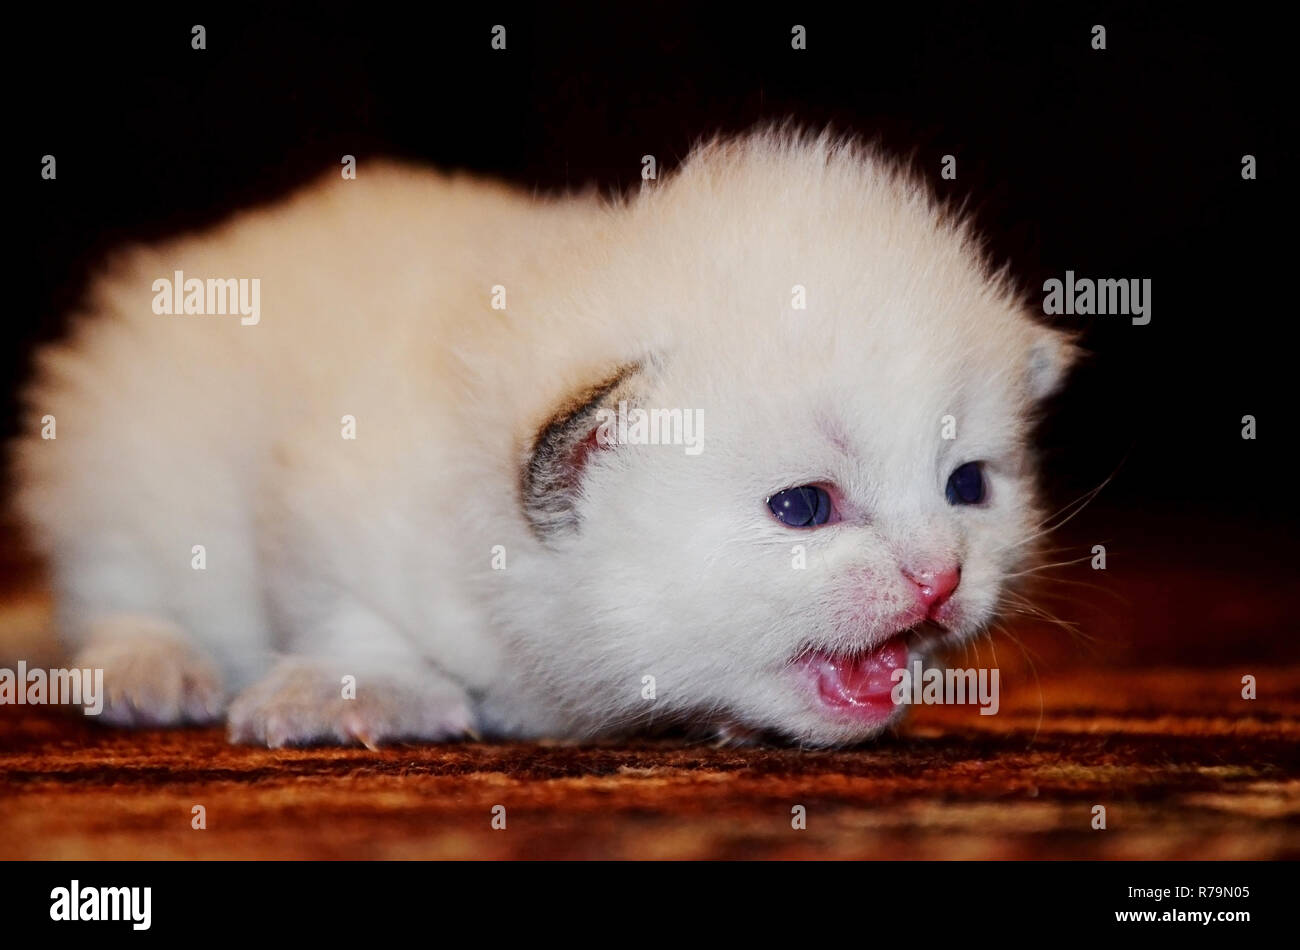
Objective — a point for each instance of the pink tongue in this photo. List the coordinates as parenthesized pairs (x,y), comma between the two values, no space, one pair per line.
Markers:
(863,682)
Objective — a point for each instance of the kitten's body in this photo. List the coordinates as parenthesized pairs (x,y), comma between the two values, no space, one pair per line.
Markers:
(374,557)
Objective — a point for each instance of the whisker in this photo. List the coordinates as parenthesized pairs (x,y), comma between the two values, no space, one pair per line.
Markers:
(1033,668)
(1048,567)
(1066,513)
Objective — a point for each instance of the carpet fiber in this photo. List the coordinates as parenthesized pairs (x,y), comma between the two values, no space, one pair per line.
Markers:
(1181,772)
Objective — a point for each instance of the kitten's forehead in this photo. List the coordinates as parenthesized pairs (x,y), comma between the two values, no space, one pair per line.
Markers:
(825,251)
(799,272)
(886,358)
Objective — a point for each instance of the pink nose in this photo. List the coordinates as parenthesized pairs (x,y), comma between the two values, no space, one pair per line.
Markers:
(934,587)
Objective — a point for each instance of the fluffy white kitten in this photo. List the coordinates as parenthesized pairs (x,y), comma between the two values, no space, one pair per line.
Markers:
(381,557)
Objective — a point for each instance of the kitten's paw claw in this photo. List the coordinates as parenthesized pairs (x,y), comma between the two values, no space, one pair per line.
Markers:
(154,679)
(302,702)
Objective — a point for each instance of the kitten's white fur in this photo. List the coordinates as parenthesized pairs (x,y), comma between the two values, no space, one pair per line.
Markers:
(373,557)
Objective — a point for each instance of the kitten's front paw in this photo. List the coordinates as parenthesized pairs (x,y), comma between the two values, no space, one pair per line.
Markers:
(303,701)
(153,677)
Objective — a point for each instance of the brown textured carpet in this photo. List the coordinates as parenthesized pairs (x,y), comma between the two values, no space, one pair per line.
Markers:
(1147,720)
(1181,771)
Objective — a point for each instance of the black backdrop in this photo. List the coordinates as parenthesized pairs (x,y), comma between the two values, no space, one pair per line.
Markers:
(1117,163)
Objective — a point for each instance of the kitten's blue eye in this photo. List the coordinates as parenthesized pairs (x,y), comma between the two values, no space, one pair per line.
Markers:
(802,507)
(966,485)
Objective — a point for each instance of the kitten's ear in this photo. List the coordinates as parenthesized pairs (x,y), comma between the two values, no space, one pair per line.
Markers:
(566,442)
(1051,355)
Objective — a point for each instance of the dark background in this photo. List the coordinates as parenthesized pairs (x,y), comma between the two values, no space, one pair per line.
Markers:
(1117,163)
(1122,163)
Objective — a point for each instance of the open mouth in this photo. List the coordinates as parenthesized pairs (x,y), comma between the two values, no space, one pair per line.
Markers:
(858,685)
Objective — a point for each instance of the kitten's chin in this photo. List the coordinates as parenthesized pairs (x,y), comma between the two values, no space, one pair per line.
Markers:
(855,687)
(851,695)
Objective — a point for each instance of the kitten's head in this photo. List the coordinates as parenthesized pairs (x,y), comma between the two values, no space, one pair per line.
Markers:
(851,392)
